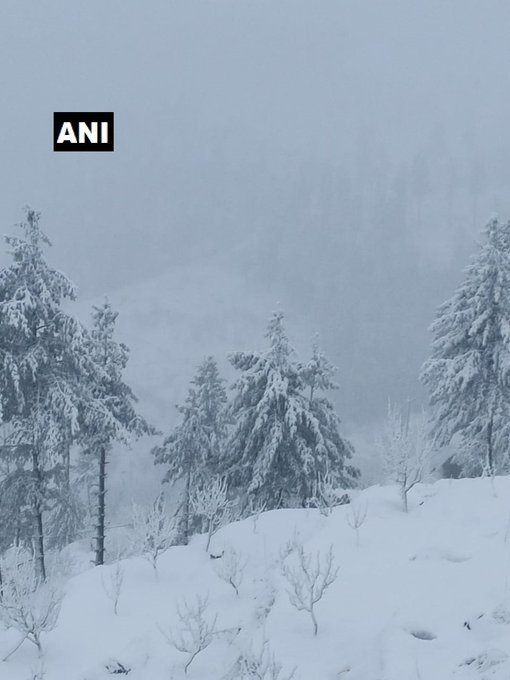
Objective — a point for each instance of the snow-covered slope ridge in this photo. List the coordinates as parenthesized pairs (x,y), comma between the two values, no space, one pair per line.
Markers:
(418,596)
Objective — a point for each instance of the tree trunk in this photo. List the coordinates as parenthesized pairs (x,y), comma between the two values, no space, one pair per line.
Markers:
(314,620)
(186,509)
(38,478)
(279,499)
(67,465)
(209,533)
(490,454)
(100,527)
(39,539)
(405,506)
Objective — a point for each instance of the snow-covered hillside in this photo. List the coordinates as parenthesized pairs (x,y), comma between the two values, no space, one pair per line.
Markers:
(423,595)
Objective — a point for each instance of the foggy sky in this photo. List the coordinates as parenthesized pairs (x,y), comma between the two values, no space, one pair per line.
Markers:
(341,156)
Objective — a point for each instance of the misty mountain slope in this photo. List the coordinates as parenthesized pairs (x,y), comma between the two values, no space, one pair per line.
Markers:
(423,595)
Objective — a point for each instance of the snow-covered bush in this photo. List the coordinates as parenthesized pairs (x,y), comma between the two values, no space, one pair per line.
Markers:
(356,517)
(266,598)
(154,530)
(406,449)
(260,665)
(230,568)
(195,631)
(291,546)
(486,660)
(308,582)
(254,510)
(210,501)
(117,668)
(112,583)
(28,604)
(501,614)
(327,495)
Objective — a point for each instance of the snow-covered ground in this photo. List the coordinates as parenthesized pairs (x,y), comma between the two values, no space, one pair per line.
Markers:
(422,596)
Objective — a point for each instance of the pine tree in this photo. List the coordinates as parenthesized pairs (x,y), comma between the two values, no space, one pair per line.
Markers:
(16,507)
(467,374)
(115,417)
(331,451)
(44,365)
(193,451)
(318,372)
(66,520)
(284,437)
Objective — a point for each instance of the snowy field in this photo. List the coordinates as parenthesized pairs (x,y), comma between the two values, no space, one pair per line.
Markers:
(423,595)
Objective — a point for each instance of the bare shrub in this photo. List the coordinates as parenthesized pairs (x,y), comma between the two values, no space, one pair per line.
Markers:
(112,583)
(154,530)
(254,510)
(308,582)
(406,449)
(210,501)
(260,665)
(356,516)
(291,546)
(28,604)
(326,495)
(230,568)
(266,598)
(195,632)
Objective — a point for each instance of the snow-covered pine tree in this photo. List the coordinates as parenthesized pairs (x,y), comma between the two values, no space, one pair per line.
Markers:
(66,521)
(210,404)
(44,367)
(16,507)
(284,435)
(332,451)
(193,450)
(116,418)
(467,374)
(318,373)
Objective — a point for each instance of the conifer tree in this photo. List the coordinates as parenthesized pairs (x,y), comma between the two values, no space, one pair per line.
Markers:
(193,451)
(16,507)
(115,417)
(331,451)
(44,365)
(467,374)
(66,521)
(285,434)
(318,372)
